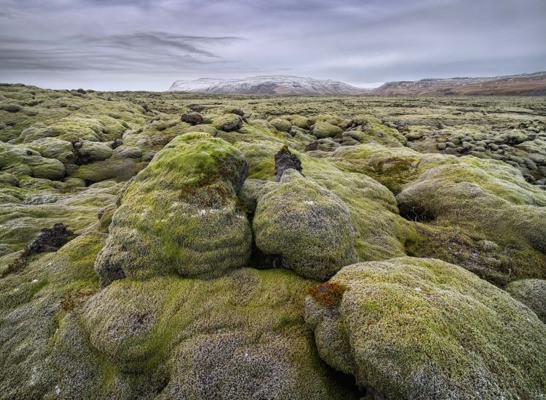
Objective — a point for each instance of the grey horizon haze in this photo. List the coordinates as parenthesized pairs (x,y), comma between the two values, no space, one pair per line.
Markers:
(147,45)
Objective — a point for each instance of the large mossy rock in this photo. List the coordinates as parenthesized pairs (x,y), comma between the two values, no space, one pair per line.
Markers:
(424,329)
(21,161)
(181,215)
(236,337)
(486,204)
(380,231)
(323,129)
(306,224)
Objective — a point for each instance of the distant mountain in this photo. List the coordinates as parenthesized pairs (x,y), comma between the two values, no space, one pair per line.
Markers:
(272,85)
(516,85)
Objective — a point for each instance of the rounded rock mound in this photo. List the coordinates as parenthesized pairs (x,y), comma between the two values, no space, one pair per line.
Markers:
(181,215)
(306,224)
(415,328)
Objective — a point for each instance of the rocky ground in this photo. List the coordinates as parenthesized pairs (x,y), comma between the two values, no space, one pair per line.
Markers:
(168,245)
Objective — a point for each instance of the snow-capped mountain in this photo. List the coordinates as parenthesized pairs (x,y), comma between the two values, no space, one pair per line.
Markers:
(273,85)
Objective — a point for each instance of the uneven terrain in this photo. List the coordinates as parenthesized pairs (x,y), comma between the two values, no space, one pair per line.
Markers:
(174,245)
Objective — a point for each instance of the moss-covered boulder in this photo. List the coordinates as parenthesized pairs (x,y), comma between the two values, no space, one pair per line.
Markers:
(236,337)
(425,329)
(380,231)
(485,204)
(70,129)
(532,293)
(306,224)
(116,168)
(59,149)
(281,124)
(93,151)
(21,161)
(227,122)
(181,215)
(323,129)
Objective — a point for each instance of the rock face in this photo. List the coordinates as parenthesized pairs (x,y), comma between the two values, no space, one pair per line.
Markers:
(307,225)
(284,160)
(50,239)
(424,329)
(180,215)
(280,85)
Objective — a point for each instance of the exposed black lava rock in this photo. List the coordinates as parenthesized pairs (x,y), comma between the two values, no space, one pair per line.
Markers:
(192,119)
(50,239)
(284,160)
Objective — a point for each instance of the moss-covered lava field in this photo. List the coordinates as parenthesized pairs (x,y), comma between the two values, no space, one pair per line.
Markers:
(185,246)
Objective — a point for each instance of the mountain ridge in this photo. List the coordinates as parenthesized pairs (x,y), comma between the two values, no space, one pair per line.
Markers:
(530,84)
(266,85)
(527,84)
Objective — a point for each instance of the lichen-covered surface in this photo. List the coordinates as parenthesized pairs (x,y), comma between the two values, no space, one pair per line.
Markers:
(190,261)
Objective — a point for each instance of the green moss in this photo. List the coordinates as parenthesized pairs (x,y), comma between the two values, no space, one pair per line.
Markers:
(442,331)
(244,327)
(281,124)
(307,225)
(227,122)
(170,216)
(118,169)
(322,129)
(532,293)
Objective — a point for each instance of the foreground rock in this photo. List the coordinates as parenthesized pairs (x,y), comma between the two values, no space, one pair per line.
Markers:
(180,215)
(424,329)
(237,337)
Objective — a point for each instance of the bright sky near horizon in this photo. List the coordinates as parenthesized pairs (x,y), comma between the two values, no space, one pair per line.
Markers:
(148,44)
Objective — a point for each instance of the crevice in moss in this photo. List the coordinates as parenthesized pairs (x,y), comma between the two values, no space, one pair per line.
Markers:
(259,260)
(348,382)
(416,214)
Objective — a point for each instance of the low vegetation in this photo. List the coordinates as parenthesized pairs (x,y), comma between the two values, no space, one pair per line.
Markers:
(408,232)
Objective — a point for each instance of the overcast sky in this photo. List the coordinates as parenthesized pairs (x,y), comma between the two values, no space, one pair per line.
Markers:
(147,44)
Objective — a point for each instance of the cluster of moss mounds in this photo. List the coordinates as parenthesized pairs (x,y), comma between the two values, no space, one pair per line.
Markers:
(375,264)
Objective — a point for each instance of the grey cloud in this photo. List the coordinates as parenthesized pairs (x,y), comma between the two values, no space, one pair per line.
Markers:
(351,40)
(143,51)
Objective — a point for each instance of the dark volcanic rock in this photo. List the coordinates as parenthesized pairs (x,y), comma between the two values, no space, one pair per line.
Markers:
(50,239)
(192,119)
(284,160)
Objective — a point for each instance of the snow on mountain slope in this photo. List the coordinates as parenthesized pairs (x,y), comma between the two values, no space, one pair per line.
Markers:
(277,85)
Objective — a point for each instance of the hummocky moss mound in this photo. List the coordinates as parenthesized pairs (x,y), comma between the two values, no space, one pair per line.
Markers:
(486,205)
(180,215)
(33,304)
(236,337)
(424,329)
(532,293)
(305,224)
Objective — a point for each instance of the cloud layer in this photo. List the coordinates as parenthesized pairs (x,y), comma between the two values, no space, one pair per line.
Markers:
(145,44)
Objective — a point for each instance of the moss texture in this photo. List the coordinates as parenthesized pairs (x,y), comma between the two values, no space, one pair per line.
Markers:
(421,328)
(307,225)
(236,337)
(456,179)
(181,215)
(532,293)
